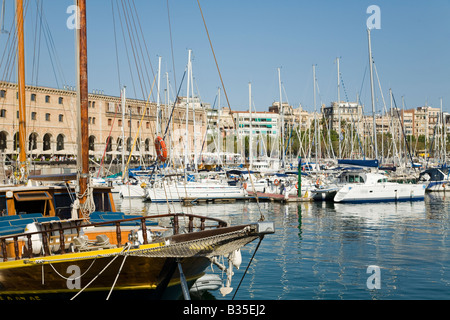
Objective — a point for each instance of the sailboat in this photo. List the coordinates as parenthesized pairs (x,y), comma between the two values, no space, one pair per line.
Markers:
(61,242)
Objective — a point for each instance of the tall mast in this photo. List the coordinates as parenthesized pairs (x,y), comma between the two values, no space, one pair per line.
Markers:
(186,145)
(158,103)
(373,95)
(123,131)
(281,110)
(21,85)
(339,106)
(316,139)
(250,143)
(83,135)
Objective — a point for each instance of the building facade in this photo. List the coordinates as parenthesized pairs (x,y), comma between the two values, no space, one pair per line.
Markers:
(51,122)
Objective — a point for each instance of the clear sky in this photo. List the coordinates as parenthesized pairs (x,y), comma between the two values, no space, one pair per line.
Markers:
(252,39)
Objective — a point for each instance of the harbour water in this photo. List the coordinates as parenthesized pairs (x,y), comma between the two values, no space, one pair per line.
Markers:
(323,250)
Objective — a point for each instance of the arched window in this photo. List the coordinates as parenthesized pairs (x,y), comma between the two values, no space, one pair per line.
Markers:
(92,143)
(3,140)
(16,141)
(119,144)
(32,141)
(59,142)
(47,142)
(138,144)
(108,144)
(129,144)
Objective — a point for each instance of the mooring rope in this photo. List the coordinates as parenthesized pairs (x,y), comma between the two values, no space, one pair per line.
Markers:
(106,267)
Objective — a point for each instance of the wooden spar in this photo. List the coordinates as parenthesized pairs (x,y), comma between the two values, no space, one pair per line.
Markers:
(83,143)
(21,86)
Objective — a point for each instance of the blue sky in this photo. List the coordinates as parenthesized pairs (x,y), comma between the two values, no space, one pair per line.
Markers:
(252,39)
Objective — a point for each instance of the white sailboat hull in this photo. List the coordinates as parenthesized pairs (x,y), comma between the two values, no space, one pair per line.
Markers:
(380,192)
(195,191)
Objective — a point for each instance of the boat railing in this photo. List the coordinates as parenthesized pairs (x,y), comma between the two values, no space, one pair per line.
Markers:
(59,233)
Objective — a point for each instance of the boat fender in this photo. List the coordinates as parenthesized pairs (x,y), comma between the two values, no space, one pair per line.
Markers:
(236,258)
(36,239)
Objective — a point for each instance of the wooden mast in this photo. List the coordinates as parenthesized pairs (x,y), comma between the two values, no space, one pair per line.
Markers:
(83,136)
(21,91)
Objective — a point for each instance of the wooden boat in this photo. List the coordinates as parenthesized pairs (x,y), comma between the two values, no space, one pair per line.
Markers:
(69,258)
(68,242)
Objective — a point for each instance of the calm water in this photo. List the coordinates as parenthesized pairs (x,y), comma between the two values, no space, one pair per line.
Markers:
(322,250)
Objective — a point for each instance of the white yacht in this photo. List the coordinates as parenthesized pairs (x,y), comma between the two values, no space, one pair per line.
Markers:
(361,186)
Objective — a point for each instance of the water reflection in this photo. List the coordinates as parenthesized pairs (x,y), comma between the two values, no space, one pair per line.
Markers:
(321,250)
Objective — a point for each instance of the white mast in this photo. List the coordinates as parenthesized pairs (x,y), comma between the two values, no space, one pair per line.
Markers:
(315,117)
(186,145)
(219,136)
(194,119)
(123,132)
(250,144)
(158,103)
(339,106)
(373,96)
(281,111)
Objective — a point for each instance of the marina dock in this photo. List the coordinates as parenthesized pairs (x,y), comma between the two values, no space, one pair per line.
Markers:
(276,197)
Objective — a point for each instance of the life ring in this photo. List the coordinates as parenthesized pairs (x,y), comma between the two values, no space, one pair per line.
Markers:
(161,150)
(276,182)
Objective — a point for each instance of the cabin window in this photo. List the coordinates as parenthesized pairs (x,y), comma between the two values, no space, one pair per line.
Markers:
(102,201)
(37,202)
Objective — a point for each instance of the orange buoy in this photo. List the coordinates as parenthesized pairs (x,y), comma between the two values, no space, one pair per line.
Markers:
(161,150)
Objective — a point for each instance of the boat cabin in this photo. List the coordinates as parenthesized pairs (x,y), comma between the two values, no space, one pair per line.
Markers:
(50,201)
(362,177)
